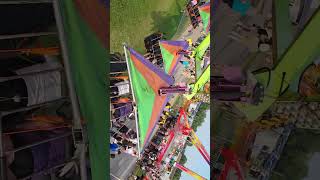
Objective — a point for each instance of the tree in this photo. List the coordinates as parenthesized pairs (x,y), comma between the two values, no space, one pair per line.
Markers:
(182,161)
(177,175)
(200,116)
(293,164)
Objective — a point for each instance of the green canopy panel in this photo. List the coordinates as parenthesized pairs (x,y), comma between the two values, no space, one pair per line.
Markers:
(204,11)
(170,54)
(88,59)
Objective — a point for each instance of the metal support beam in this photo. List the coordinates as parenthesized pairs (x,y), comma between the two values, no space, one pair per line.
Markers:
(50,170)
(115,62)
(134,100)
(3,79)
(3,164)
(120,72)
(26,35)
(77,126)
(3,169)
(19,2)
(32,107)
(114,176)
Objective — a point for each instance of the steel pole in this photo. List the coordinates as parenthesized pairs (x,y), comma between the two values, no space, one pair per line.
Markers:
(38,143)
(3,168)
(4,113)
(119,72)
(3,79)
(26,35)
(134,100)
(18,2)
(74,100)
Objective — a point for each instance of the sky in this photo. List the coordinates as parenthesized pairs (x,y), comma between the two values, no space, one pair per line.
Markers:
(195,161)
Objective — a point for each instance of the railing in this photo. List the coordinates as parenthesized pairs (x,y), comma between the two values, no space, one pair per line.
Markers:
(77,126)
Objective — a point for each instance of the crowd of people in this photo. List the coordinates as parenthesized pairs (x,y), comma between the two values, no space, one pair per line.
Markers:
(153,48)
(149,161)
(193,11)
(188,61)
(123,139)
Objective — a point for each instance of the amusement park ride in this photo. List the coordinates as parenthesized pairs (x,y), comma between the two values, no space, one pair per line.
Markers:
(234,85)
(183,128)
(286,77)
(148,79)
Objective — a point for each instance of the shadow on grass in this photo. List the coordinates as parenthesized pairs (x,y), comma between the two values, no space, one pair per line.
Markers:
(167,23)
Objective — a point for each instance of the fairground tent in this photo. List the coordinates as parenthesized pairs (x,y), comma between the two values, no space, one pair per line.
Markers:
(85,28)
(169,50)
(146,80)
(204,11)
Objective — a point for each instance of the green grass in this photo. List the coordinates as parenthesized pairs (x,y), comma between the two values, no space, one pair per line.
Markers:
(132,20)
(184,23)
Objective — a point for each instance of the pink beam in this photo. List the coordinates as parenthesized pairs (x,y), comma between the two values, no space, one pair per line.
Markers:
(191,173)
(164,150)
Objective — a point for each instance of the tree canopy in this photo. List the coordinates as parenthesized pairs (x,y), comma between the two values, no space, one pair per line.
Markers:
(293,164)
(200,116)
(182,161)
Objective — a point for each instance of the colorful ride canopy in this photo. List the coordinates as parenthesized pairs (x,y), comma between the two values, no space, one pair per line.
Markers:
(204,11)
(169,51)
(146,80)
(87,47)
